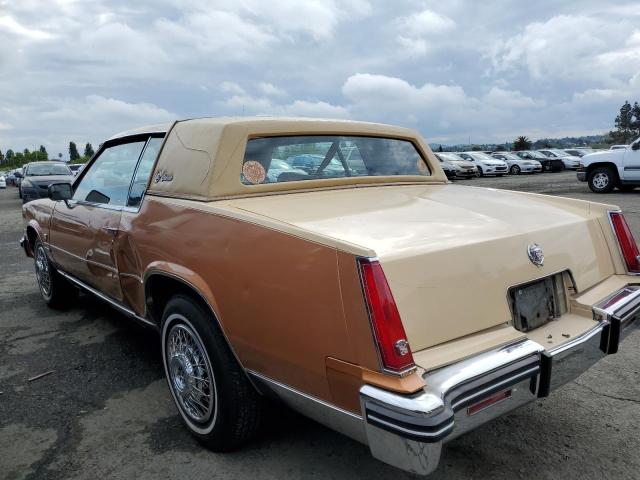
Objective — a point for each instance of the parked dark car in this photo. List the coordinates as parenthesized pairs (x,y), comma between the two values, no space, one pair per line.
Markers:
(39,175)
(548,164)
(76,168)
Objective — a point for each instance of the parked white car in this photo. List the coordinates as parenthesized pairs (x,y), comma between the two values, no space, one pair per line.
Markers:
(463,168)
(3,182)
(518,165)
(618,168)
(486,164)
(570,162)
(618,147)
(580,152)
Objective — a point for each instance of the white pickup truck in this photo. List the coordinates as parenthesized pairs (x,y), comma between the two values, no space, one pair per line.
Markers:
(607,170)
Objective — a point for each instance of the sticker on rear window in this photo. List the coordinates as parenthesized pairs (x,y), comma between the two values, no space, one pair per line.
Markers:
(253,172)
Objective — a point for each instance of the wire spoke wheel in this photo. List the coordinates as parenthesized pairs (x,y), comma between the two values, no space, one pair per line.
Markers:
(43,274)
(190,373)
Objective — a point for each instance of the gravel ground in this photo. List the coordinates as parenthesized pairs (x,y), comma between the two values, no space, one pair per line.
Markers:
(106,412)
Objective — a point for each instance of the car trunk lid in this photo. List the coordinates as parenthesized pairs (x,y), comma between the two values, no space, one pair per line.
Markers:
(450,253)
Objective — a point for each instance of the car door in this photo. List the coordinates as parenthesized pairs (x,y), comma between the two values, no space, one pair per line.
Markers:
(83,230)
(130,266)
(631,162)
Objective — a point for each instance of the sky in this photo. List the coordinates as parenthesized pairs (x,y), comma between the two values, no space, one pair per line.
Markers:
(83,70)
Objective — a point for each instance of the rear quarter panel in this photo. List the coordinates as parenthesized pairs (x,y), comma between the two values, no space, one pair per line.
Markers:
(277,296)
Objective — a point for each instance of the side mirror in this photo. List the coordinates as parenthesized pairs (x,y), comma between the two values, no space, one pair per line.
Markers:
(59,191)
(635,146)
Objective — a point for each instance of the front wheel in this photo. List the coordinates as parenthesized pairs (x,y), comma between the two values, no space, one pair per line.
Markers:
(602,180)
(56,291)
(216,401)
(480,172)
(515,170)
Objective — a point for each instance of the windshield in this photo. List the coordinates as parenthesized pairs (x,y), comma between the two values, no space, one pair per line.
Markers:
(316,157)
(538,155)
(43,169)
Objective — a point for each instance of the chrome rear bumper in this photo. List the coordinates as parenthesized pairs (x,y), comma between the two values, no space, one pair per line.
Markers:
(408,431)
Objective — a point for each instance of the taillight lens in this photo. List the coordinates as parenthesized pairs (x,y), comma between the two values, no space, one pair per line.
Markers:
(385,319)
(628,245)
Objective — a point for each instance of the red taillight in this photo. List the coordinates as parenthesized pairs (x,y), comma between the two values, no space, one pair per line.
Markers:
(628,245)
(385,319)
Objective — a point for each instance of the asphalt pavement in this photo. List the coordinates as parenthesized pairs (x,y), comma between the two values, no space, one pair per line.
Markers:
(103,409)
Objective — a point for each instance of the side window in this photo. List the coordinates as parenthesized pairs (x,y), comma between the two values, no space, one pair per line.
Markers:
(141,178)
(108,179)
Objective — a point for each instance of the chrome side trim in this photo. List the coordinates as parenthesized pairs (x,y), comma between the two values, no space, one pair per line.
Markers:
(109,300)
(336,418)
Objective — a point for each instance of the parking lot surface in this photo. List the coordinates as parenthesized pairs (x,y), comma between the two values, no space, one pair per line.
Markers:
(105,411)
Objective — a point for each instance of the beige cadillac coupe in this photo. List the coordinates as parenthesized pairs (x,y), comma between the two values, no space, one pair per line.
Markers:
(331,265)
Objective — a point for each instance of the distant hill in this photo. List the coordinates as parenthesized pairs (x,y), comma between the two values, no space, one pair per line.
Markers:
(595,141)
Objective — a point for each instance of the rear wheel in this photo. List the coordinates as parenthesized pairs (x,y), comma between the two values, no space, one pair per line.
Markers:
(602,180)
(515,170)
(216,401)
(56,291)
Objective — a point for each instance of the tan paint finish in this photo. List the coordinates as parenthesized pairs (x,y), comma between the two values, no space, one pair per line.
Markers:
(465,347)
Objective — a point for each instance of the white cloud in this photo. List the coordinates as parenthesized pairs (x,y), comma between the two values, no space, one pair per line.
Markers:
(426,22)
(413,47)
(84,70)
(271,90)
(9,24)
(510,99)
(572,48)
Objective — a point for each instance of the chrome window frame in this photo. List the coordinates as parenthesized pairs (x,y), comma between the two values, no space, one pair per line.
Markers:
(146,137)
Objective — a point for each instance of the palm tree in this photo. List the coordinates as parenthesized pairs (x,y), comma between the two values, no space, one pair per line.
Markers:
(522,143)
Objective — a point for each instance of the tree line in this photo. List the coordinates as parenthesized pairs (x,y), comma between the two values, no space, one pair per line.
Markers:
(15,159)
(627,129)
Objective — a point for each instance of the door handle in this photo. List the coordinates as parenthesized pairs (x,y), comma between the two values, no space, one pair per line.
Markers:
(111,231)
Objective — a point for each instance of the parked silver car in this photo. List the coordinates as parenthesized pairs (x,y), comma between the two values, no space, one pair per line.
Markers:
(570,162)
(518,165)
(486,164)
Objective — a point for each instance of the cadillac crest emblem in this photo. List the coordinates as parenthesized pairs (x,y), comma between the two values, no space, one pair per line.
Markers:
(536,255)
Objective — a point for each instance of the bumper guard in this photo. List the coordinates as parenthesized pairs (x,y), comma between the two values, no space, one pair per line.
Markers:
(408,431)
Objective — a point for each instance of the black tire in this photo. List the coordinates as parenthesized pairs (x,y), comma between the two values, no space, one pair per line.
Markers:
(514,170)
(55,290)
(602,180)
(480,172)
(19,192)
(231,415)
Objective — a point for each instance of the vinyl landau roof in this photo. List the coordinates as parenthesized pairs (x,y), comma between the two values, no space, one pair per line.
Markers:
(202,158)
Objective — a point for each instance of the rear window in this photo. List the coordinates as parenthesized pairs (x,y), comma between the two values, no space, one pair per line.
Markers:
(288,159)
